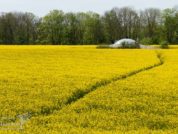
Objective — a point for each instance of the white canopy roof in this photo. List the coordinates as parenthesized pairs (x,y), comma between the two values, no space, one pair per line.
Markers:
(127,41)
(119,43)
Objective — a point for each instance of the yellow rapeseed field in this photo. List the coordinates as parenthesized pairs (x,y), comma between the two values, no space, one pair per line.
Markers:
(81,89)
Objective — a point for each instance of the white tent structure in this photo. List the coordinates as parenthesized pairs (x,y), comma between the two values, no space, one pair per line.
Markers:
(125,43)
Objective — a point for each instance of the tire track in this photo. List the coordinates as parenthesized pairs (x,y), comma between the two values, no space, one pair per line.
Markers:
(79,94)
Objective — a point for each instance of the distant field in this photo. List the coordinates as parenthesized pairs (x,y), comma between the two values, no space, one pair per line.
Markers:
(81,89)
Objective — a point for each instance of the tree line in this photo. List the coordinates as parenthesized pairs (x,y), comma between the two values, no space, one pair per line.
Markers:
(150,26)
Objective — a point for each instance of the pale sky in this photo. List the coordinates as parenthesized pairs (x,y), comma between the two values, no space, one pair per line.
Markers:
(42,7)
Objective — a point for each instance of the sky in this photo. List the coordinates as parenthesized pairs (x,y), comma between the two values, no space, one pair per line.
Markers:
(42,7)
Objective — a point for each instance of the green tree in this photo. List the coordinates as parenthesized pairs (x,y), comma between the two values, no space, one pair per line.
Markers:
(18,28)
(52,28)
(112,25)
(150,22)
(94,29)
(72,29)
(170,24)
(7,27)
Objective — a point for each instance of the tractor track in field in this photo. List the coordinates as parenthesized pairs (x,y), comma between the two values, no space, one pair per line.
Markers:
(80,93)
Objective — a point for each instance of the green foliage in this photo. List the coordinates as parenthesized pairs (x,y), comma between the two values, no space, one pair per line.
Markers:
(170,17)
(59,28)
(146,41)
(18,28)
(53,27)
(164,44)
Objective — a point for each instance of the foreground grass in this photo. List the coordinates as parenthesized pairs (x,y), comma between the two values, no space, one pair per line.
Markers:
(39,80)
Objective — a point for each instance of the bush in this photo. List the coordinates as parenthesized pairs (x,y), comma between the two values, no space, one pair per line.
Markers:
(146,41)
(164,44)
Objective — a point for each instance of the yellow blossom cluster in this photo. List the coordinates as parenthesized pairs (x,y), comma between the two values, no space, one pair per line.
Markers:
(81,89)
